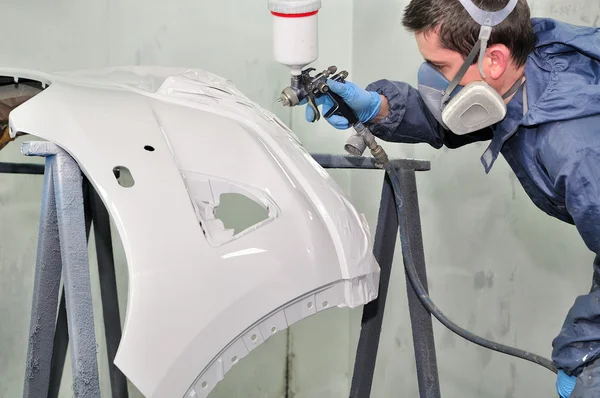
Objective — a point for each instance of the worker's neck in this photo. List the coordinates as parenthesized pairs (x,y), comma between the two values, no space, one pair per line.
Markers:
(511,75)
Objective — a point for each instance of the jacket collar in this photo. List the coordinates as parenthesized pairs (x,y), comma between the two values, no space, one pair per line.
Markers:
(505,129)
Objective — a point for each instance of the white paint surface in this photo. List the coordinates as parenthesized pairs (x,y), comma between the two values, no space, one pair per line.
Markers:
(194,287)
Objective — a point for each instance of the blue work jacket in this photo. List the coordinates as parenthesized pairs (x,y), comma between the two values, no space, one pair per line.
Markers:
(553,147)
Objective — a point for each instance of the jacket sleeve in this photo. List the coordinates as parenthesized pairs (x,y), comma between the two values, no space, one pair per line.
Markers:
(410,121)
(578,343)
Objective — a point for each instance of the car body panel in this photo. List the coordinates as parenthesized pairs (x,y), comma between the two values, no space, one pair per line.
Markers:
(201,297)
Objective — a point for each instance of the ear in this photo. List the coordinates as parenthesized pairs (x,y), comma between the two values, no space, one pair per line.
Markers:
(497,60)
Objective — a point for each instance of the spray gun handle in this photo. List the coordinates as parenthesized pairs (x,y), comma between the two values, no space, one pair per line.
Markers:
(341,108)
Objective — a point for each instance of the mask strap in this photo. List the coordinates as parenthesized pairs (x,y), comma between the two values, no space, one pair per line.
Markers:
(460,74)
(525,101)
(487,20)
(484,36)
(515,87)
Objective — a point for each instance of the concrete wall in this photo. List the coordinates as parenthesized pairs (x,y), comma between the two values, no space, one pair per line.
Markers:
(497,265)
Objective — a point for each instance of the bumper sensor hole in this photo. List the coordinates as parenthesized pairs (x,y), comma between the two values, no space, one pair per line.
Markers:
(123,176)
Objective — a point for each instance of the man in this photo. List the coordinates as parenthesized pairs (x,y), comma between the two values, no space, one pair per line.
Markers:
(534,93)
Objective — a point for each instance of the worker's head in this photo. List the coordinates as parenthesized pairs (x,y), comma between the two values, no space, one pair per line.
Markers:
(446,34)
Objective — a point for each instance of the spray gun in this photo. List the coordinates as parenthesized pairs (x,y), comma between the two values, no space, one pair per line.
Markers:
(295,28)
(306,87)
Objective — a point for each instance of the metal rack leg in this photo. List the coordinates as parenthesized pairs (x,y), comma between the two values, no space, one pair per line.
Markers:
(108,290)
(421,323)
(59,354)
(45,297)
(61,335)
(67,179)
(384,246)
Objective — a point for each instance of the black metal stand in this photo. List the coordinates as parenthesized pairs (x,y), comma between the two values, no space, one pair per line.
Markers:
(48,344)
(422,327)
(384,246)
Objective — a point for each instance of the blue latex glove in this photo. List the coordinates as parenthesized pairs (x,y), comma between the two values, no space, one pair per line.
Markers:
(365,104)
(565,384)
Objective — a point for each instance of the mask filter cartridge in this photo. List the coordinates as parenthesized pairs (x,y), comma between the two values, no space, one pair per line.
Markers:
(475,107)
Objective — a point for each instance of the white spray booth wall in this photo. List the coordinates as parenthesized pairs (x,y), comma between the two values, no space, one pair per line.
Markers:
(497,265)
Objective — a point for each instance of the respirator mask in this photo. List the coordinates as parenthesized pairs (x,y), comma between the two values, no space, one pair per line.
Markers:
(477,105)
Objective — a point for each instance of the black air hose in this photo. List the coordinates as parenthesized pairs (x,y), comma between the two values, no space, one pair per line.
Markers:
(423,296)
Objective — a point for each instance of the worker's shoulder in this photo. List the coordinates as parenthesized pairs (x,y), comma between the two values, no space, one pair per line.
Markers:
(565,141)
(564,47)
(562,88)
(551,32)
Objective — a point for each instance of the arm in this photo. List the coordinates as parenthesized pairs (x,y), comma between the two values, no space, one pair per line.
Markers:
(404,117)
(578,343)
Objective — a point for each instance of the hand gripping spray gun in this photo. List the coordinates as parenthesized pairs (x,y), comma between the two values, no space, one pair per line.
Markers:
(295,39)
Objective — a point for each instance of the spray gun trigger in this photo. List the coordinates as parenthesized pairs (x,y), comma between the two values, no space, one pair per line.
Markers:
(313,106)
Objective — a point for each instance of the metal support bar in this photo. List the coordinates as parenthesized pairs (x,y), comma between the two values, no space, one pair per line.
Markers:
(59,353)
(108,289)
(421,323)
(45,297)
(363,163)
(67,180)
(384,246)
(372,319)
(61,336)
(21,168)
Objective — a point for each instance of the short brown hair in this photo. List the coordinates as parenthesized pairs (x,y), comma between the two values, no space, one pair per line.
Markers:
(459,32)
